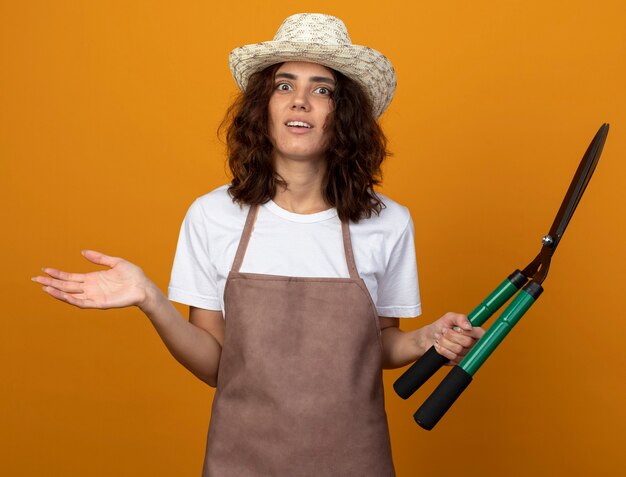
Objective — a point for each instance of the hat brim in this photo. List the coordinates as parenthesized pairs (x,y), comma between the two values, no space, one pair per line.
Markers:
(370,68)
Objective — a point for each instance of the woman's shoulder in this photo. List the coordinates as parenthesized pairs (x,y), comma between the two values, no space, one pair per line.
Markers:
(393,215)
(393,210)
(217,206)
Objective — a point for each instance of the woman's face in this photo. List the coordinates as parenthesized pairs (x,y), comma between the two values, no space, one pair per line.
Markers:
(298,108)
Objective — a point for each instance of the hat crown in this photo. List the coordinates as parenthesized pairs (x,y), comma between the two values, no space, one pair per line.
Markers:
(313,28)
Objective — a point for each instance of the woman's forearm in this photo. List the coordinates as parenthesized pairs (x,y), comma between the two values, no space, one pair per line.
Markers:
(196,349)
(400,350)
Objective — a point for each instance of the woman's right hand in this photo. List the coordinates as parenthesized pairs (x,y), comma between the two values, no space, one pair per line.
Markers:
(122,284)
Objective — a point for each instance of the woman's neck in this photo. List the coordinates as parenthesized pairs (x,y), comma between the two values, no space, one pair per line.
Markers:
(304,192)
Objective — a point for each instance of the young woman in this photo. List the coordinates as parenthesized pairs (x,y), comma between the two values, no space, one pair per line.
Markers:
(297,272)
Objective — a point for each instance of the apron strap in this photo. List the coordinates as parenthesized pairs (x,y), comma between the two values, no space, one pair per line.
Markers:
(347,246)
(245,238)
(247,232)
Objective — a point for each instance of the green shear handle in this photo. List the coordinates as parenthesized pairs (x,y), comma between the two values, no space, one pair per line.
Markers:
(431,361)
(459,378)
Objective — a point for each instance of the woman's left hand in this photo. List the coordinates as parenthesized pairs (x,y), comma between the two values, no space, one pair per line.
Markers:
(453,336)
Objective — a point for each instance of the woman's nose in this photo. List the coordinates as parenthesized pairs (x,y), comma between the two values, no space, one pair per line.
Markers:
(300,101)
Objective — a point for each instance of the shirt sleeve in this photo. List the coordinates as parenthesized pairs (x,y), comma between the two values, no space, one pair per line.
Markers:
(398,288)
(193,280)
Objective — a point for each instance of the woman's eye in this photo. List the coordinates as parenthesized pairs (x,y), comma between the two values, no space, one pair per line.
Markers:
(323,90)
(283,87)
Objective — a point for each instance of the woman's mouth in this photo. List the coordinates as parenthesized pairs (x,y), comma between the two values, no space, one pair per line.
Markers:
(298,124)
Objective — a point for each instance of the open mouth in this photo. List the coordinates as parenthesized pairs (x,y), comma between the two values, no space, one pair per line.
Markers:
(298,124)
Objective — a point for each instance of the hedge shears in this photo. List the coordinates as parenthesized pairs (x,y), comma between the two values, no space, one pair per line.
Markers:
(529,280)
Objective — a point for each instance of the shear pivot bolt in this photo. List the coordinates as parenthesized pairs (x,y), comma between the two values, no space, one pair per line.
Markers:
(547,240)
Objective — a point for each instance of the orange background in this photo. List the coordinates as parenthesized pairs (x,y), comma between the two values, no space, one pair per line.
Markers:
(108,113)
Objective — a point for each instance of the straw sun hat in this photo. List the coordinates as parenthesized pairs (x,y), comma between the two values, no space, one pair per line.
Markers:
(319,39)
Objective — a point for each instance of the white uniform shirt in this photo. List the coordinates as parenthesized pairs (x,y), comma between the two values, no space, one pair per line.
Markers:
(301,245)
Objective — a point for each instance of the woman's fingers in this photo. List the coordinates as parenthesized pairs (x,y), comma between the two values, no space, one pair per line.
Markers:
(452,320)
(444,351)
(452,346)
(62,285)
(100,258)
(65,276)
(67,297)
(456,336)
(60,275)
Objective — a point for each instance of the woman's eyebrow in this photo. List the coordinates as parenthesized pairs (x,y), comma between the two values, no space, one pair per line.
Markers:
(322,79)
(312,79)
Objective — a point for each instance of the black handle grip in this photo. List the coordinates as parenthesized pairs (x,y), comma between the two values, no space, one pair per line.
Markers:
(419,373)
(442,398)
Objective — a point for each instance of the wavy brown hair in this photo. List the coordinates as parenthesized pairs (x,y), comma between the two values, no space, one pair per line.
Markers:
(357,147)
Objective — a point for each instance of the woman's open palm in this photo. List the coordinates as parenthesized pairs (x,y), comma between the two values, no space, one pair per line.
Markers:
(122,284)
